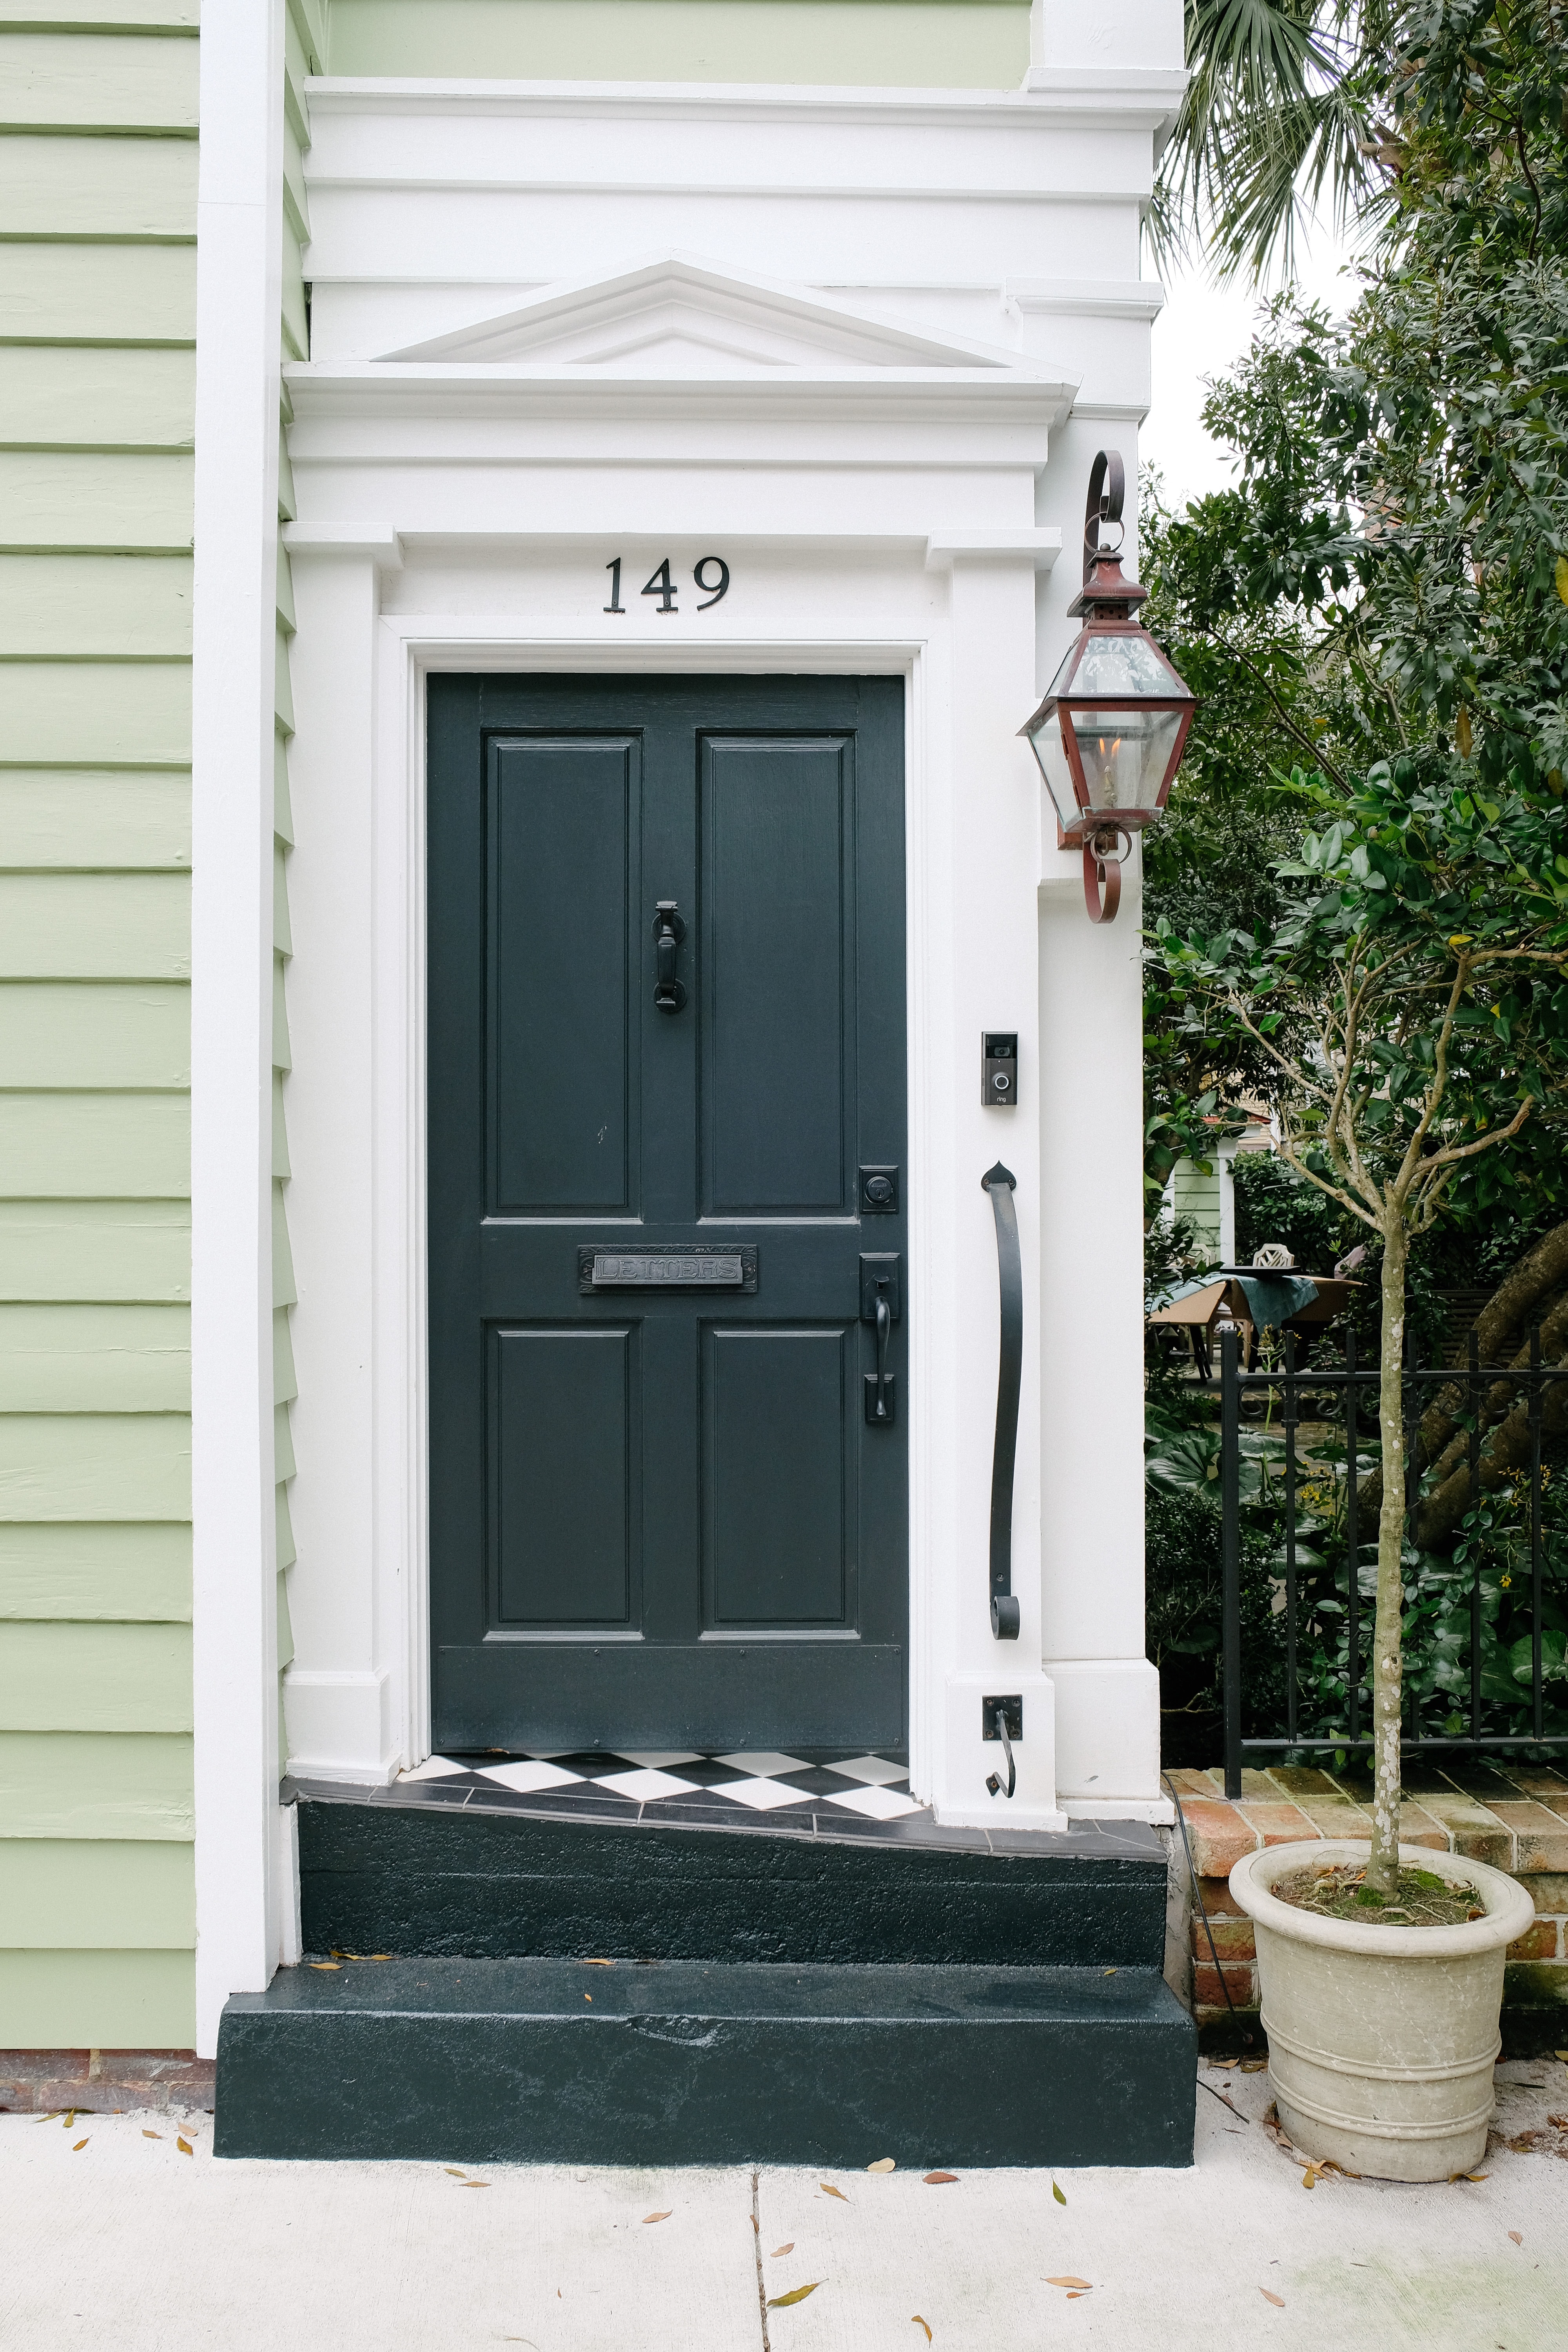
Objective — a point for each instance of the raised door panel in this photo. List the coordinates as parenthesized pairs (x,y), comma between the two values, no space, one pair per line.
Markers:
(778,1511)
(561,834)
(778,967)
(562,1477)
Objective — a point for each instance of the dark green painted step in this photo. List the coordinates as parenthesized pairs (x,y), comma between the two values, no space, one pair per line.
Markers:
(406,1879)
(476,2062)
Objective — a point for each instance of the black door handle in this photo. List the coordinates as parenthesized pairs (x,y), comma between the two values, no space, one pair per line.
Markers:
(1001,1183)
(669,930)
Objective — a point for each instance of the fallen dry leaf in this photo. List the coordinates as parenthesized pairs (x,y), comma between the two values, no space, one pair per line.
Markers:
(1562,2055)
(1253,2066)
(935,2179)
(1109,1972)
(828,2190)
(78,2146)
(1225,2061)
(883,2164)
(184,2146)
(1269,2296)
(326,1964)
(147,2135)
(1470,2175)
(598,1964)
(795,2295)
(53,2116)
(787,2248)
(1056,2193)
(587,1996)
(70,2116)
(659,2217)
(1082,2285)
(1311,2177)
(916,2321)
(473,2184)
(1077,2295)
(1516,2237)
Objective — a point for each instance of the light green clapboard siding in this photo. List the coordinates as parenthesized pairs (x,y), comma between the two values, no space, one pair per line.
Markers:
(281,1053)
(86,1356)
(73,499)
(97,188)
(82,1033)
(82,1147)
(94,817)
(304,47)
(927,43)
(85,293)
(97,1894)
(109,1250)
(104,1784)
(111,1465)
(130,607)
(94,1677)
(76,397)
(88,714)
(97,388)
(153,16)
(95,926)
(98,81)
(103,2001)
(280,1168)
(75,1571)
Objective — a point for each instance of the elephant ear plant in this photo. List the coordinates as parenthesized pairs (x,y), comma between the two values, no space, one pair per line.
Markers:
(1411,1010)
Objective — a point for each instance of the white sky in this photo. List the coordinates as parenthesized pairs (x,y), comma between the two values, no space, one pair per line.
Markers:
(1201,329)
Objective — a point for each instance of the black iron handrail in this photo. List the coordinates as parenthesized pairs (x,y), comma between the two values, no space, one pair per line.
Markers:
(1001,1183)
(1357,1381)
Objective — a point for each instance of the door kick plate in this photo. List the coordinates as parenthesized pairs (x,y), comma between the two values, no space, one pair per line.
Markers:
(685,1267)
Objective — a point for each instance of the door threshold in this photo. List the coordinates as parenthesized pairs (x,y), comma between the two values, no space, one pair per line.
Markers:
(825,1812)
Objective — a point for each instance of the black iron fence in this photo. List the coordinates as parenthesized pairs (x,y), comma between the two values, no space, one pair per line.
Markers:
(1301,1468)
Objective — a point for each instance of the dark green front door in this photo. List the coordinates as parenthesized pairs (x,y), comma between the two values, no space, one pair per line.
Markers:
(660,1517)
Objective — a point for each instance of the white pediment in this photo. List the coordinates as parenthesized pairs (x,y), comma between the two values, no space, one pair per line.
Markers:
(674,317)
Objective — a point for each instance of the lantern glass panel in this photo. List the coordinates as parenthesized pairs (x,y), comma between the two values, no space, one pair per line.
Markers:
(1125,754)
(1053,759)
(1124,664)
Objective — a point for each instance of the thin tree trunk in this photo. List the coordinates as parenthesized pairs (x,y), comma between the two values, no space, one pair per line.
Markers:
(1387,1680)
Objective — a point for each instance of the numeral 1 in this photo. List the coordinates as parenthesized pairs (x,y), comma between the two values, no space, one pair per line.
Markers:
(614,604)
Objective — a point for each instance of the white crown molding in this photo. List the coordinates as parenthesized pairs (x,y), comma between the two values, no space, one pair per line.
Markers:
(944,549)
(346,541)
(1121,98)
(1087,297)
(948,395)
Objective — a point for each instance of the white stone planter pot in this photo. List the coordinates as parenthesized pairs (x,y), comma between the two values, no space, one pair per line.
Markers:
(1381,2039)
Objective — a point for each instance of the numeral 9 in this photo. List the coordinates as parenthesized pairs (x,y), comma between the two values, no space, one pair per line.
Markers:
(711,588)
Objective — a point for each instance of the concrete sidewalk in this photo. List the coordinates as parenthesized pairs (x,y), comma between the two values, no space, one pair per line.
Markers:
(115,2238)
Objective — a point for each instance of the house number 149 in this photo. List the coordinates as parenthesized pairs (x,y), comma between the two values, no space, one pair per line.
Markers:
(710,576)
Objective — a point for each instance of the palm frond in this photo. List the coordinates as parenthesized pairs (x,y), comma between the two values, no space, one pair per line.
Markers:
(1283,110)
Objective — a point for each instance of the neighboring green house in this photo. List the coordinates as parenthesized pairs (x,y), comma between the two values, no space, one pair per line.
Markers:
(531,541)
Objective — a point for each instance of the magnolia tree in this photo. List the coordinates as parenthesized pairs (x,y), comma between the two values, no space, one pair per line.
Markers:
(1411,1014)
(1389,574)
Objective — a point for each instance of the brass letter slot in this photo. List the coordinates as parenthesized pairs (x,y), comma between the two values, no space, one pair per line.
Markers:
(683,1267)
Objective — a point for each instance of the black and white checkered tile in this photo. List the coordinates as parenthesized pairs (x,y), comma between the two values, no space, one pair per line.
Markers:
(874,1787)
